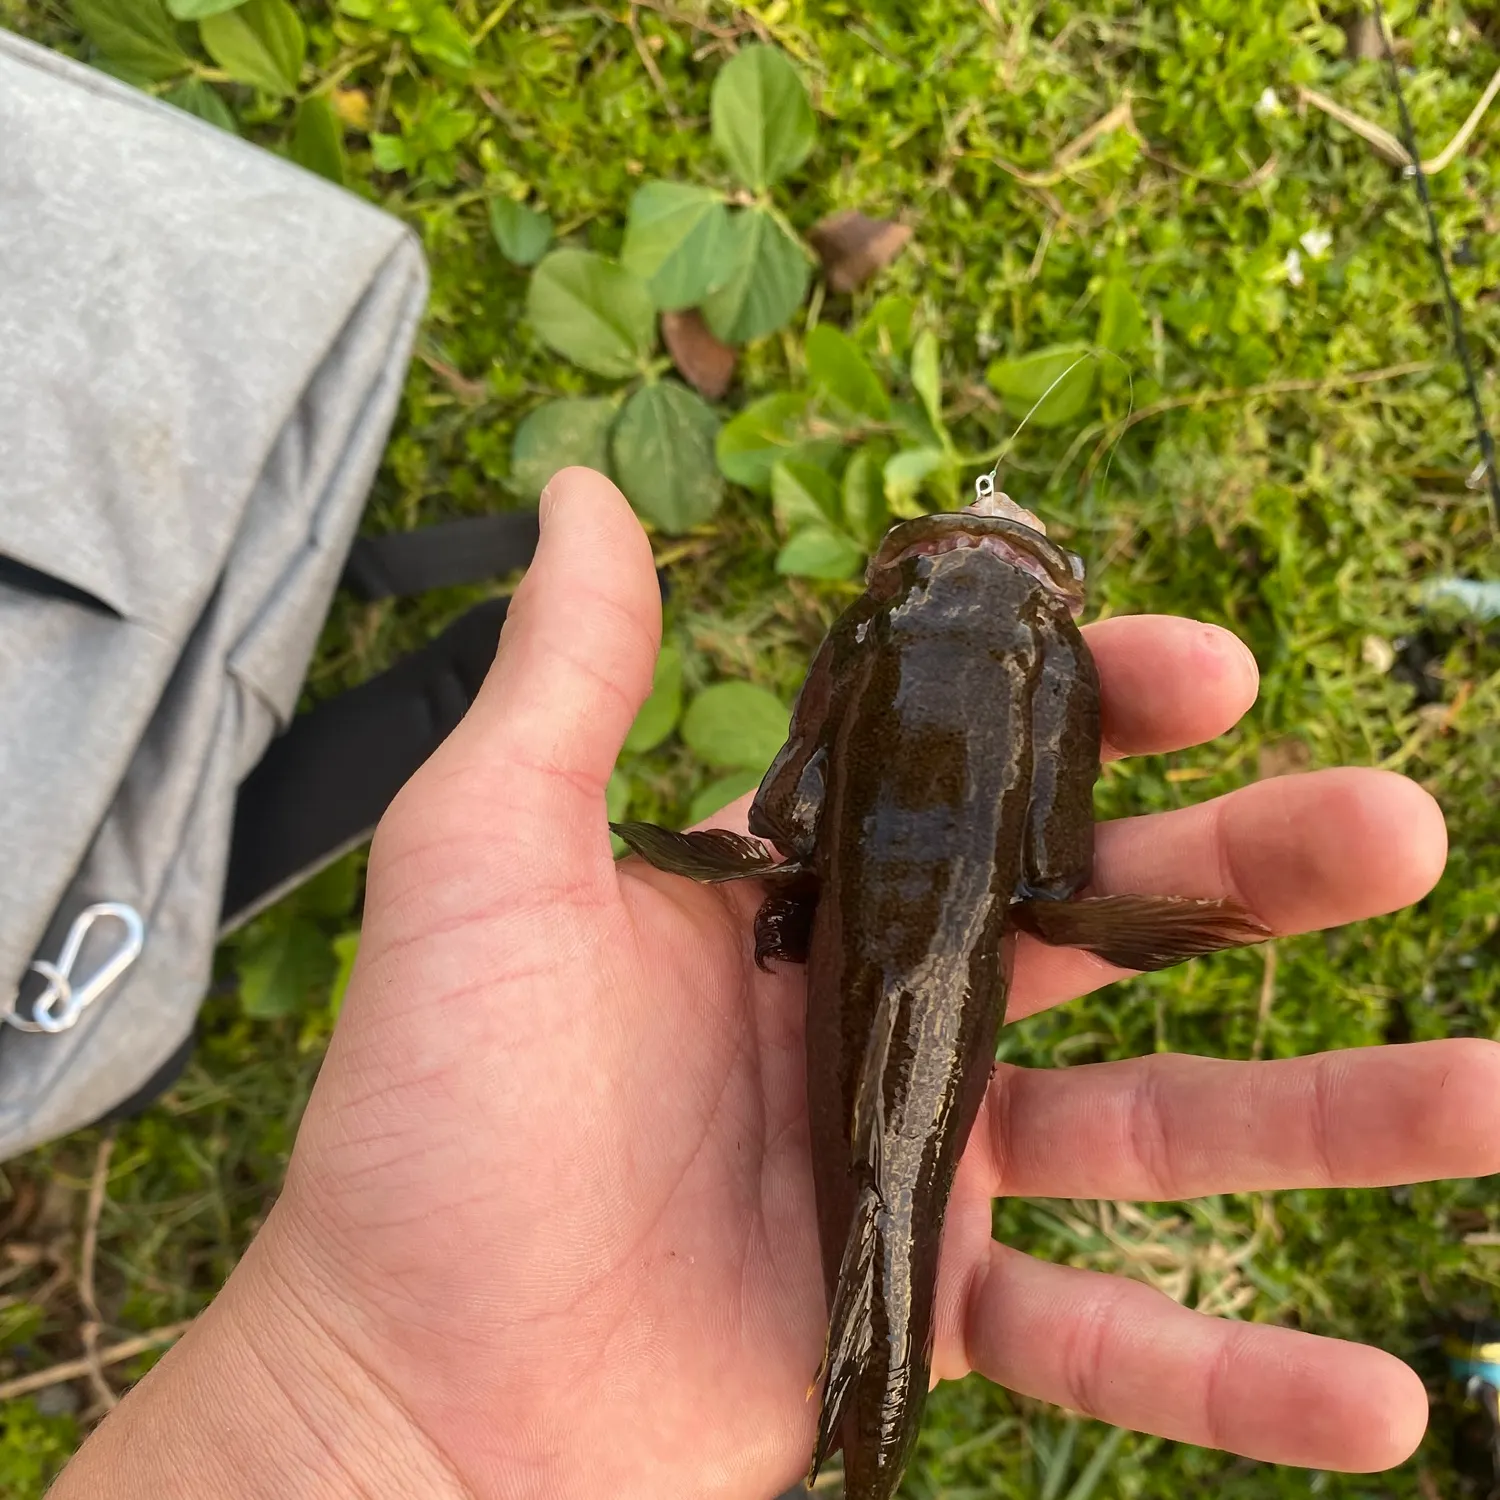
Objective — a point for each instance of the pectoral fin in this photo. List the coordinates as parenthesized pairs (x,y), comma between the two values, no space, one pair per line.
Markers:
(1140,932)
(710,855)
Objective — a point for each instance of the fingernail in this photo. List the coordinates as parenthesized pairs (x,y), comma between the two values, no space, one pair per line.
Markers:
(1229,651)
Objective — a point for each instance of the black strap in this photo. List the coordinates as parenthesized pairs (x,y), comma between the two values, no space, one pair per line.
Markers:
(472,550)
(322,786)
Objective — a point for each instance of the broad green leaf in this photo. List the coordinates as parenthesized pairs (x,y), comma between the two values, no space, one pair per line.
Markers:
(261,43)
(444,40)
(1051,386)
(195,10)
(802,495)
(663,448)
(318,139)
(617,795)
(388,152)
(1121,322)
(768,430)
(914,427)
(865,511)
(762,118)
(766,285)
(887,326)
(820,552)
(927,376)
(345,950)
(521,232)
(592,311)
(660,712)
(719,794)
(136,36)
(906,473)
(280,963)
(735,724)
(333,891)
(838,371)
(202,99)
(678,240)
(558,436)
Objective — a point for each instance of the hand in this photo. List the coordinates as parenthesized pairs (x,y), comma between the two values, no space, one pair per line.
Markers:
(551,1208)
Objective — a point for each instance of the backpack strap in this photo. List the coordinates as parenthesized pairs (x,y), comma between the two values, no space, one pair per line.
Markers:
(472,550)
(323,785)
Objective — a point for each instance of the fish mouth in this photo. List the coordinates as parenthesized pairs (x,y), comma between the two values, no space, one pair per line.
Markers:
(1020,545)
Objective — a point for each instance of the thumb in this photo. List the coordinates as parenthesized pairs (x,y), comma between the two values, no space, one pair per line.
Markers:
(534,752)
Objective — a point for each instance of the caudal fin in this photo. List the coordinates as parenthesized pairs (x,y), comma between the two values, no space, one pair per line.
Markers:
(850,1335)
(1141,932)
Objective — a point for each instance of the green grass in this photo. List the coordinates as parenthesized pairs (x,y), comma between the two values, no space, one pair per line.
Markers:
(1303,517)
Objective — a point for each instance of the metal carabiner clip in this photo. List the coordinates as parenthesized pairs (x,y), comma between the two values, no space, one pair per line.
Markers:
(64,1000)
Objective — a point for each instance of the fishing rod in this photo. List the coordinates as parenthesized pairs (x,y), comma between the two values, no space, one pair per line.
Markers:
(1485,473)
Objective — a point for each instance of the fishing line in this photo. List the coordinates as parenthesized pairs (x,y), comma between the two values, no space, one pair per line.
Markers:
(1114,447)
(1485,474)
(1004,449)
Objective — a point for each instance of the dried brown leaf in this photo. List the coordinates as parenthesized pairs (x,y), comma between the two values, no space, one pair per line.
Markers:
(853,247)
(1468,1221)
(703,361)
(1284,757)
(352,106)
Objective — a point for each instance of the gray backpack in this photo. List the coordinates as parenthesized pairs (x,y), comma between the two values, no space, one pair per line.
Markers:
(201,350)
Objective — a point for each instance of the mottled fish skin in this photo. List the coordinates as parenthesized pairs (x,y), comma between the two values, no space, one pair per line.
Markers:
(922,720)
(935,794)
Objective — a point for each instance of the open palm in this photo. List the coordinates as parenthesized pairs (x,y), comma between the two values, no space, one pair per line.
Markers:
(553,1194)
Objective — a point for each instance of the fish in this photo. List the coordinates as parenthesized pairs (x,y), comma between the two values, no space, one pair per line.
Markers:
(934,798)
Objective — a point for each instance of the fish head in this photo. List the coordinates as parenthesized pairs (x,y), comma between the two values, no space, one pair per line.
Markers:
(993,523)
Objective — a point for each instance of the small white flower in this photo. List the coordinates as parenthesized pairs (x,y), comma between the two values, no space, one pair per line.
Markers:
(1455,36)
(1268,104)
(986,343)
(1292,265)
(1375,651)
(1316,243)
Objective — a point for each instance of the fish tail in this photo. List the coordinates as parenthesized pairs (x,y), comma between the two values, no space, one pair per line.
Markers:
(876,1404)
(850,1334)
